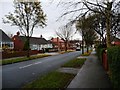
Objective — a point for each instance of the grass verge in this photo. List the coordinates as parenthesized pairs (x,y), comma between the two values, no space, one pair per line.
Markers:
(10,61)
(62,52)
(76,63)
(56,79)
(51,80)
(87,53)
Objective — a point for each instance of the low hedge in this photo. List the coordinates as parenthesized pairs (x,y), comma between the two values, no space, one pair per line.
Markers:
(21,59)
(11,54)
(114,65)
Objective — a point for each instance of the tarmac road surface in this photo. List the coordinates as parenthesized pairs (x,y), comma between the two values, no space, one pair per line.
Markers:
(18,74)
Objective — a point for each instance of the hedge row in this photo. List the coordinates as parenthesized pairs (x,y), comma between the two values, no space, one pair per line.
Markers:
(17,54)
(100,49)
(113,54)
(113,57)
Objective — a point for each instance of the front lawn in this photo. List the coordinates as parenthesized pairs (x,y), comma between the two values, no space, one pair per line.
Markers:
(10,61)
(76,63)
(51,80)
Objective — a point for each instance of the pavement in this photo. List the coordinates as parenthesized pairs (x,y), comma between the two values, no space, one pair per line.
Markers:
(91,75)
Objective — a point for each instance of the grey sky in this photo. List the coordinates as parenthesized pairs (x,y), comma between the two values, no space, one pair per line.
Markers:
(52,12)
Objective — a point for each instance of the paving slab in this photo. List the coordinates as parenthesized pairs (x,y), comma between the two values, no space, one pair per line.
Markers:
(68,70)
(82,57)
(91,75)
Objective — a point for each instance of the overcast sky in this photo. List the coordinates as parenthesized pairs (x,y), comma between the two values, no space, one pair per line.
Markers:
(51,10)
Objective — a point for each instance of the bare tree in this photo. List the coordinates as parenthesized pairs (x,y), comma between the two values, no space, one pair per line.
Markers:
(65,33)
(27,16)
(83,7)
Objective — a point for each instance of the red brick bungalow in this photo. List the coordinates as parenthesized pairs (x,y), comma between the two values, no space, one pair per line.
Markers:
(58,43)
(36,43)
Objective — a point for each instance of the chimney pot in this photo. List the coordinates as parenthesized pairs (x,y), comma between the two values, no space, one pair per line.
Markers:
(18,33)
(41,36)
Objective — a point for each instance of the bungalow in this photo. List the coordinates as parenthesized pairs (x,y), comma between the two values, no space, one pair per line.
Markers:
(58,43)
(5,41)
(36,43)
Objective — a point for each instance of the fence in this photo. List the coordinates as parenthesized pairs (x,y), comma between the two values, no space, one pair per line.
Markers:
(105,61)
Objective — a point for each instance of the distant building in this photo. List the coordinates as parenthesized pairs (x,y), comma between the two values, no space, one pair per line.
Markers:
(115,41)
(58,43)
(73,44)
(5,41)
(36,43)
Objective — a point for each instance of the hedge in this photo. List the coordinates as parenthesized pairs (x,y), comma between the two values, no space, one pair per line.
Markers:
(100,49)
(17,54)
(114,65)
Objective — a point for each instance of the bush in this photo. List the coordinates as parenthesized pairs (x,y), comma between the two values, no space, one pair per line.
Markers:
(11,54)
(21,59)
(114,65)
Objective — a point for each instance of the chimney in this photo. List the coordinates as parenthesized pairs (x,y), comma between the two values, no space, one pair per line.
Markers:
(18,33)
(57,39)
(41,36)
(11,35)
(58,43)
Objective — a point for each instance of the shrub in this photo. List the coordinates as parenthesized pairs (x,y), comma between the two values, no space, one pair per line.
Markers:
(114,65)
(17,54)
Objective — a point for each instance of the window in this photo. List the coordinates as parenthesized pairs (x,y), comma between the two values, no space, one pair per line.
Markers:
(7,45)
(33,47)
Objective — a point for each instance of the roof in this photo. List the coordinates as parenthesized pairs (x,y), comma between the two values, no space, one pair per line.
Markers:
(75,41)
(35,40)
(55,40)
(4,37)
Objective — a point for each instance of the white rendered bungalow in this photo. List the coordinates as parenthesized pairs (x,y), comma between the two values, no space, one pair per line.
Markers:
(5,41)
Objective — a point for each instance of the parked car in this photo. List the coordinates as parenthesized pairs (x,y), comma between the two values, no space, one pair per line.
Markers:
(78,49)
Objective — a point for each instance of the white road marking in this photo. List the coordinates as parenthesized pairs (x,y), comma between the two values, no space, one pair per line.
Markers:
(37,62)
(29,65)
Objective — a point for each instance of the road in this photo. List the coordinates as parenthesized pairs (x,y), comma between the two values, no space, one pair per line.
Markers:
(18,74)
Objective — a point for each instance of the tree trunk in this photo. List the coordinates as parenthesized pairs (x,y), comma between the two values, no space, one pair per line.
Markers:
(82,46)
(108,23)
(87,48)
(108,33)
(28,44)
(65,45)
